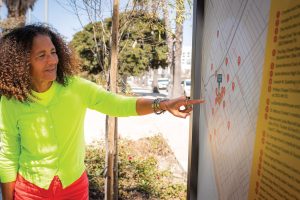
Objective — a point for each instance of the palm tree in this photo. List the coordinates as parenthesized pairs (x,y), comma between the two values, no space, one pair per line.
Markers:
(16,15)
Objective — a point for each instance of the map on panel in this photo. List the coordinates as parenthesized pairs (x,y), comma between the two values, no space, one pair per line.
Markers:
(233,56)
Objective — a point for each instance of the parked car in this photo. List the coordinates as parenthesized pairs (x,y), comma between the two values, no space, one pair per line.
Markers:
(186,87)
(162,83)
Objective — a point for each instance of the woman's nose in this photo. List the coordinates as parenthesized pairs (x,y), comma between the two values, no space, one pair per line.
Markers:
(52,59)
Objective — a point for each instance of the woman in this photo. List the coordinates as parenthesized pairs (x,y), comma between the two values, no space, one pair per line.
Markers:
(42,113)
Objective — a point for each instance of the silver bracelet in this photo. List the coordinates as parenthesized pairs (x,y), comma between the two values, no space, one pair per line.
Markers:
(156,107)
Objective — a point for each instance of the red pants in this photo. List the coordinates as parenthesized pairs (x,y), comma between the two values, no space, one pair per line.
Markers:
(79,190)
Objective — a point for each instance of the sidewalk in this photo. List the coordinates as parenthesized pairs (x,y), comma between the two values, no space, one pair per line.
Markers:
(174,130)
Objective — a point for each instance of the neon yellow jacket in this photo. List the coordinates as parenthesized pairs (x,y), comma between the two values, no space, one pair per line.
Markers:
(45,138)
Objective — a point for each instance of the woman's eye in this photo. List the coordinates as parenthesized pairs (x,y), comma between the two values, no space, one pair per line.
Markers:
(41,56)
(53,52)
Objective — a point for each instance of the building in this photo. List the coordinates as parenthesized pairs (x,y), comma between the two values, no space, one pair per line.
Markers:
(186,60)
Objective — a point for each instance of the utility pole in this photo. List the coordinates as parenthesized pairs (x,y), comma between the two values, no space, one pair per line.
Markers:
(111,181)
(1,3)
(28,16)
(0,7)
(46,11)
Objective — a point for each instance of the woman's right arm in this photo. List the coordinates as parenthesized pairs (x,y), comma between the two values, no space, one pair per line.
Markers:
(7,190)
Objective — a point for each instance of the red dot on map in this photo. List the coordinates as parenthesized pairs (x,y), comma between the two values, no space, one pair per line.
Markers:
(232,86)
(271,73)
(273,52)
(224,104)
(269,89)
(270,81)
(227,78)
(228,125)
(239,60)
(211,67)
(226,61)
(278,14)
(267,108)
(217,33)
(223,91)
(268,101)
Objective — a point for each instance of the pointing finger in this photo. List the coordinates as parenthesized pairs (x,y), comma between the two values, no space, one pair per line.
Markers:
(196,101)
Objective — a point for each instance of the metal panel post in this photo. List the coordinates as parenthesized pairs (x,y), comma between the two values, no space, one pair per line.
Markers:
(198,20)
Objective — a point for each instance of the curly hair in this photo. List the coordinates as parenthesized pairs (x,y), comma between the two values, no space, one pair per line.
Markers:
(15,78)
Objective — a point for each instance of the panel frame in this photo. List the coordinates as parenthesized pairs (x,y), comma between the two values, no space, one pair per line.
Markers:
(193,153)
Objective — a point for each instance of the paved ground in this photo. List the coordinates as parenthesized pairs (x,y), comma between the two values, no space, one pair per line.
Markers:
(174,130)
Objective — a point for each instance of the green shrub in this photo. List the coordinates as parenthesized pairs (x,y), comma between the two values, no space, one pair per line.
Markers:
(140,176)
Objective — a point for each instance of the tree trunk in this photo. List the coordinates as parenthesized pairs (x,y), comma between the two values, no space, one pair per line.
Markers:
(154,82)
(155,4)
(111,181)
(177,90)
(169,33)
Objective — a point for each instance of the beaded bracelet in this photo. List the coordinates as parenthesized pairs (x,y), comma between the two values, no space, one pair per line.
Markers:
(155,105)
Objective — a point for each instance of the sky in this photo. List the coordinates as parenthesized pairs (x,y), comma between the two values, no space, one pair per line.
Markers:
(65,21)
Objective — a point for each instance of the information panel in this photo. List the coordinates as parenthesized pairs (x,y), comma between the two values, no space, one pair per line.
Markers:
(249,145)
(276,164)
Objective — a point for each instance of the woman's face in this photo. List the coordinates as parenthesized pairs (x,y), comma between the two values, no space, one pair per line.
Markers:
(43,60)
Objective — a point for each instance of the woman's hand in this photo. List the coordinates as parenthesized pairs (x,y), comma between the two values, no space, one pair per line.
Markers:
(180,107)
